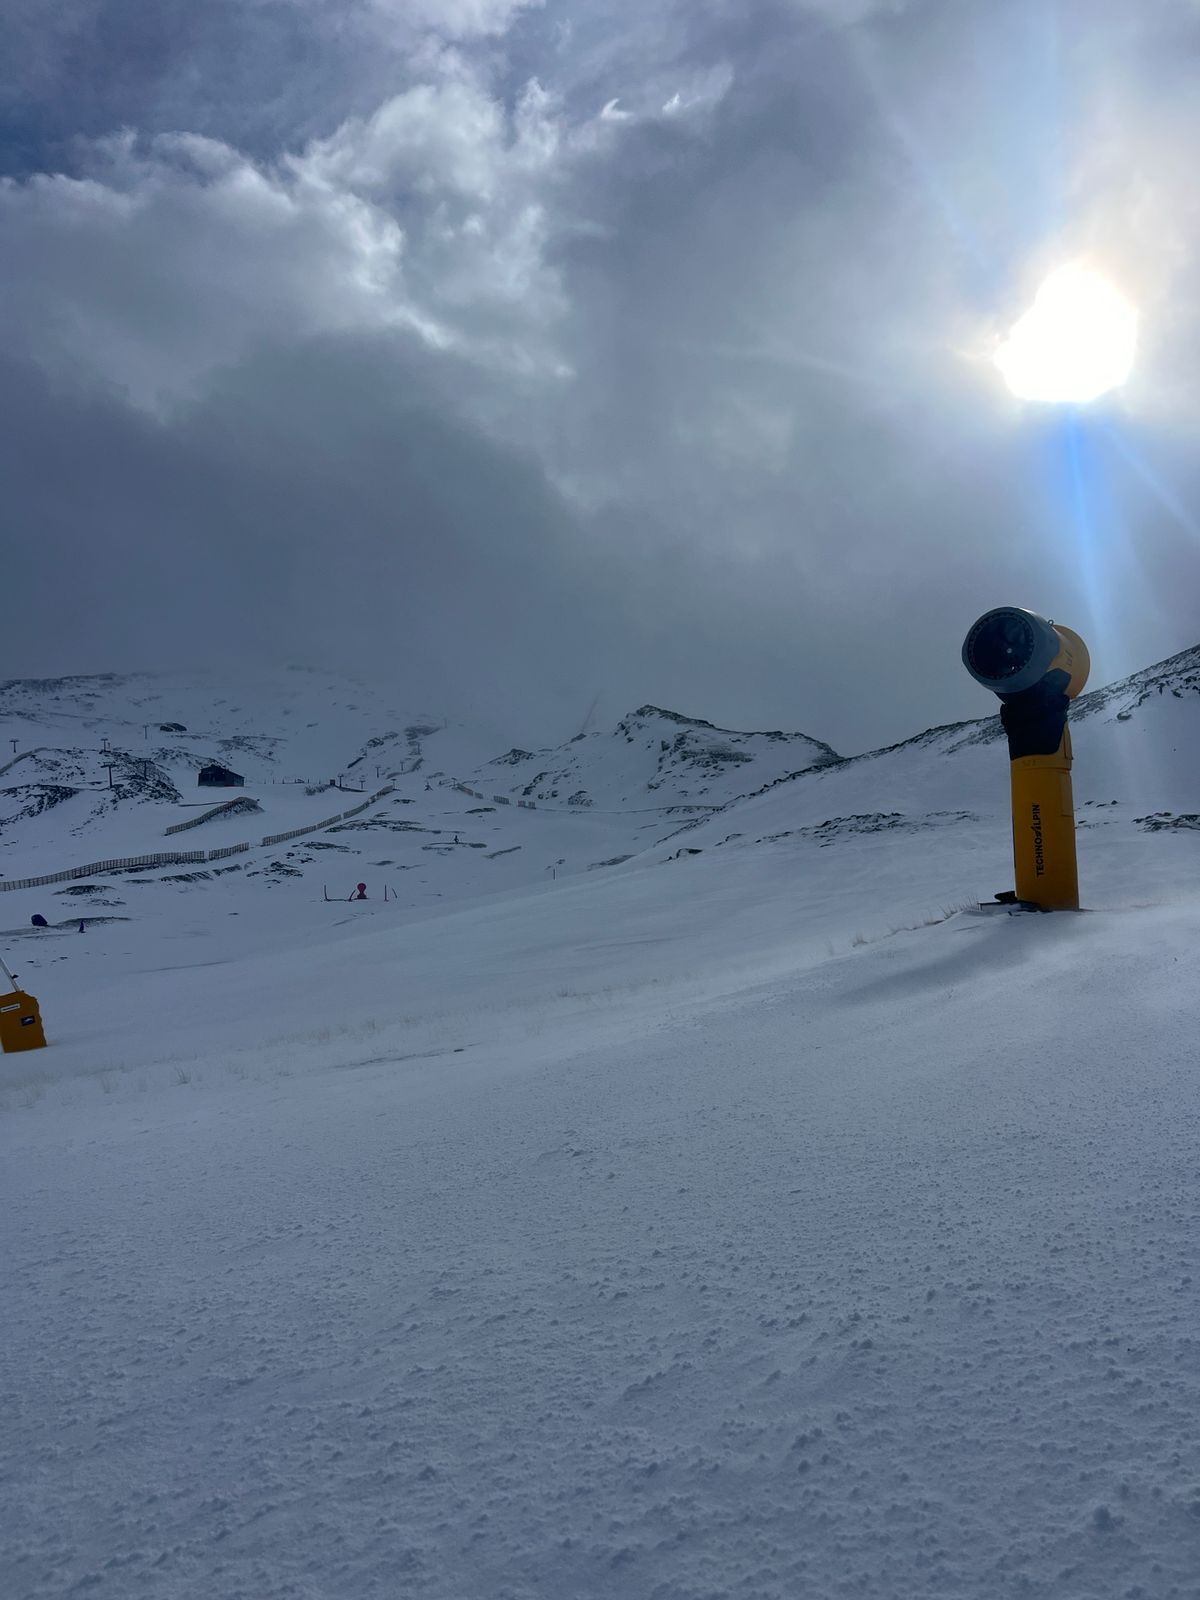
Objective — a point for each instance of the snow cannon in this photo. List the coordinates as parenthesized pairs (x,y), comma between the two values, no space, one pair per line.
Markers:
(1035,668)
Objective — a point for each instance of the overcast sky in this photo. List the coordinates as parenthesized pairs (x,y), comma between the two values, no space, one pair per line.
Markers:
(516,353)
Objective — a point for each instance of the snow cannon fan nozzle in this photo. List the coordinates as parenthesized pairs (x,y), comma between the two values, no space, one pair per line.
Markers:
(1035,668)
(1010,650)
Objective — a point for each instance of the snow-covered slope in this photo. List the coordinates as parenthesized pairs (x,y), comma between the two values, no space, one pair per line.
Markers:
(292,725)
(766,1221)
(111,763)
(1137,767)
(655,784)
(104,767)
(653,760)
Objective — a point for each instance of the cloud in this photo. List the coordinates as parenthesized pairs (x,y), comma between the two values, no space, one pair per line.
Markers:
(450,19)
(642,347)
(849,13)
(314,506)
(263,75)
(174,255)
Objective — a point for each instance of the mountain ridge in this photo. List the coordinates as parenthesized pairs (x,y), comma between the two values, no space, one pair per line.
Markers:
(609,798)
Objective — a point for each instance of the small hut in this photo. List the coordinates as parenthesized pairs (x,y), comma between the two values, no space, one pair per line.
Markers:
(215,776)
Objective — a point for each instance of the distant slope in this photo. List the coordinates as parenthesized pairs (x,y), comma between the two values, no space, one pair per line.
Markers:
(656,785)
(653,759)
(100,766)
(1137,751)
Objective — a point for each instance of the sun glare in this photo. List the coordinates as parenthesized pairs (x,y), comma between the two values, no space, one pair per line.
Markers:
(1075,343)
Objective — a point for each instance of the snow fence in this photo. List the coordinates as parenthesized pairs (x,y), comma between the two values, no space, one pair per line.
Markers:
(174,858)
(328,822)
(163,858)
(205,816)
(498,799)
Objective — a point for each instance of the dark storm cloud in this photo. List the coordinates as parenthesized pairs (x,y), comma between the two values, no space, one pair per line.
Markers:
(262,74)
(309,510)
(521,352)
(306,509)
(221,68)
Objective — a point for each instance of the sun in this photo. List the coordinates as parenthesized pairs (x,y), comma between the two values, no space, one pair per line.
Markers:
(1076,342)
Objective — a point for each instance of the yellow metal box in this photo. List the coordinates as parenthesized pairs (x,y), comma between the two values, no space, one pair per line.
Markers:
(20,1022)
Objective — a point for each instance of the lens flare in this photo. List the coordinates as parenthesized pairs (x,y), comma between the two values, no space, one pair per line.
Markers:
(1076,342)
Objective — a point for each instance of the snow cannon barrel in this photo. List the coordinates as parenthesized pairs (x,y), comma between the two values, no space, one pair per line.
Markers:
(1035,668)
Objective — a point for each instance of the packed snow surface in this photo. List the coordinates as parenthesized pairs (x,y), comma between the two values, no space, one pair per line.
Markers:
(769,1221)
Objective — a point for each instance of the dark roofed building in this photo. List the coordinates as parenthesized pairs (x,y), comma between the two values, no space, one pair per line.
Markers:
(215,776)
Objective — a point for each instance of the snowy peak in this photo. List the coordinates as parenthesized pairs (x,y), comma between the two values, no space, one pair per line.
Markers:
(648,717)
(1178,676)
(655,759)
